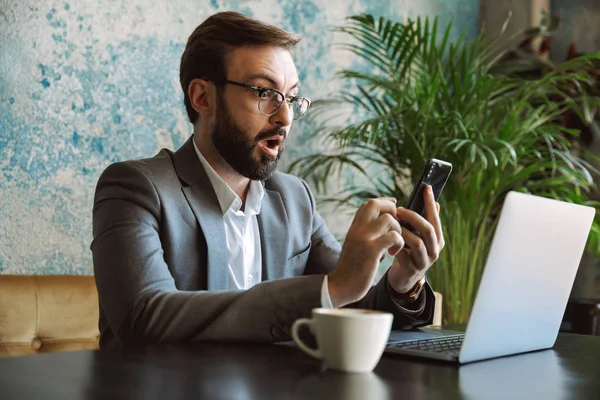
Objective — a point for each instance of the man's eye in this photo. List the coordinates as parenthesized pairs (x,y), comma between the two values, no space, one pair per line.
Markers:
(265,94)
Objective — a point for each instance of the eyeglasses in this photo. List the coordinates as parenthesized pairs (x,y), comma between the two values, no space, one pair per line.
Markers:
(270,100)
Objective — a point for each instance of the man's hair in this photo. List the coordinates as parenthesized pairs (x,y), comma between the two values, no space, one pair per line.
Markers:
(209,45)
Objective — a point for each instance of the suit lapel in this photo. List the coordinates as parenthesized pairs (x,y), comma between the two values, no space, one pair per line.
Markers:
(201,198)
(273,226)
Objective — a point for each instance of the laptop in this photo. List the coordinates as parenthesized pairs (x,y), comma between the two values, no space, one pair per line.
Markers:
(524,289)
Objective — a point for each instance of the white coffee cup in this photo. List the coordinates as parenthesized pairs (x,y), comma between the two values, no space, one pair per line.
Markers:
(348,339)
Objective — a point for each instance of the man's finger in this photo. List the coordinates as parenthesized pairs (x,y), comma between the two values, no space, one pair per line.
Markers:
(371,209)
(431,212)
(427,232)
(389,240)
(418,250)
(384,223)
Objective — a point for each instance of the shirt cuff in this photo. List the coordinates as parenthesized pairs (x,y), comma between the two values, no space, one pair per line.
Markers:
(325,298)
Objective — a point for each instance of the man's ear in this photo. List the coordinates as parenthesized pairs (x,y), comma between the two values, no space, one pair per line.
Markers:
(201,94)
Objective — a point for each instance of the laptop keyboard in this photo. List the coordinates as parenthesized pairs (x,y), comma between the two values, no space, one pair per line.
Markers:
(444,345)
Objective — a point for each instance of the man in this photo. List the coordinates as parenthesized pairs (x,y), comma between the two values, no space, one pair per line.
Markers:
(210,243)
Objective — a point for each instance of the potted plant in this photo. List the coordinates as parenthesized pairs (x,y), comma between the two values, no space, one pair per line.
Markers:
(530,59)
(419,96)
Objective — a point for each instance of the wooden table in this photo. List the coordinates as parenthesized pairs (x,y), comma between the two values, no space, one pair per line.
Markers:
(236,371)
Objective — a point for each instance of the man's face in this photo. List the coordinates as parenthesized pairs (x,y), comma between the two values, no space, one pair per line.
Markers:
(239,148)
(248,140)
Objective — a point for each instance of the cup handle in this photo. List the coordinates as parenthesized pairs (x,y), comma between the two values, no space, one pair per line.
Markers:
(316,353)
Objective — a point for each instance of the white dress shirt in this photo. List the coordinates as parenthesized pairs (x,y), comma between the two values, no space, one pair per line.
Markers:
(241,232)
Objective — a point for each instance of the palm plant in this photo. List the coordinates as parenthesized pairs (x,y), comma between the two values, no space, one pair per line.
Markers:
(419,96)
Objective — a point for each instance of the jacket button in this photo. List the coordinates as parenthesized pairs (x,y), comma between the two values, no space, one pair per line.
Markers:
(286,330)
(276,331)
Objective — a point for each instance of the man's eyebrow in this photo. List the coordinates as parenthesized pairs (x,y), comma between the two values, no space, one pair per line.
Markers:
(271,80)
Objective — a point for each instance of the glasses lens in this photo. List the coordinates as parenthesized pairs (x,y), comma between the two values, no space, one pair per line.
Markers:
(270,102)
(300,107)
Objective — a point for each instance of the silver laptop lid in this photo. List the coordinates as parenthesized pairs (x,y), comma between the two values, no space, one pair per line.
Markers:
(530,269)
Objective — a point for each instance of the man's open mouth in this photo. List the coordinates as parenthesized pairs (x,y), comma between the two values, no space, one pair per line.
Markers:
(271,146)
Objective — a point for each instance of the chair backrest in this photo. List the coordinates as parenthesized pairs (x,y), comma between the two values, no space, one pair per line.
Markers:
(47,313)
(437,311)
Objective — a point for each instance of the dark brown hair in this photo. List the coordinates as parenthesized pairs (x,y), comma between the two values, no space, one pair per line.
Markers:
(208,46)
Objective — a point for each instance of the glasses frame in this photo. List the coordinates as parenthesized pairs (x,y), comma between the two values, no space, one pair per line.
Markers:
(262,89)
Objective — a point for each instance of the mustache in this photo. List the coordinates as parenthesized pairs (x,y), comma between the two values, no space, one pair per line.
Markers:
(270,133)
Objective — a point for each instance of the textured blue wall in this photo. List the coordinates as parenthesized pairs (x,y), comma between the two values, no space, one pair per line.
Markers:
(87,83)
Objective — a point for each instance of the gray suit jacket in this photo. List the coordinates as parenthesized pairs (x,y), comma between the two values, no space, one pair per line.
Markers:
(160,258)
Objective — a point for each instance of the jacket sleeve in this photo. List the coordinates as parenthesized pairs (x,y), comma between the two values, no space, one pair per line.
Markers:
(137,293)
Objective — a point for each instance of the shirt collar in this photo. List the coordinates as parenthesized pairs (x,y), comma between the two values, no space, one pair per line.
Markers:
(228,199)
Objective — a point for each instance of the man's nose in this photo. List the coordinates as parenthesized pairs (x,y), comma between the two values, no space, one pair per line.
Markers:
(283,116)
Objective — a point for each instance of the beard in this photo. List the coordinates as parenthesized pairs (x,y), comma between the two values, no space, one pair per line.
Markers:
(237,147)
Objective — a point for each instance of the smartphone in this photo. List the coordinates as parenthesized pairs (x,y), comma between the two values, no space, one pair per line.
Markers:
(436,174)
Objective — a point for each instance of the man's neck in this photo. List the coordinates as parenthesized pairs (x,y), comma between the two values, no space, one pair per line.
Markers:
(237,182)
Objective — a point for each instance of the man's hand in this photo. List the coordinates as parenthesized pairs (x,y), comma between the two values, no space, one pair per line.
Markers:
(374,230)
(410,264)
